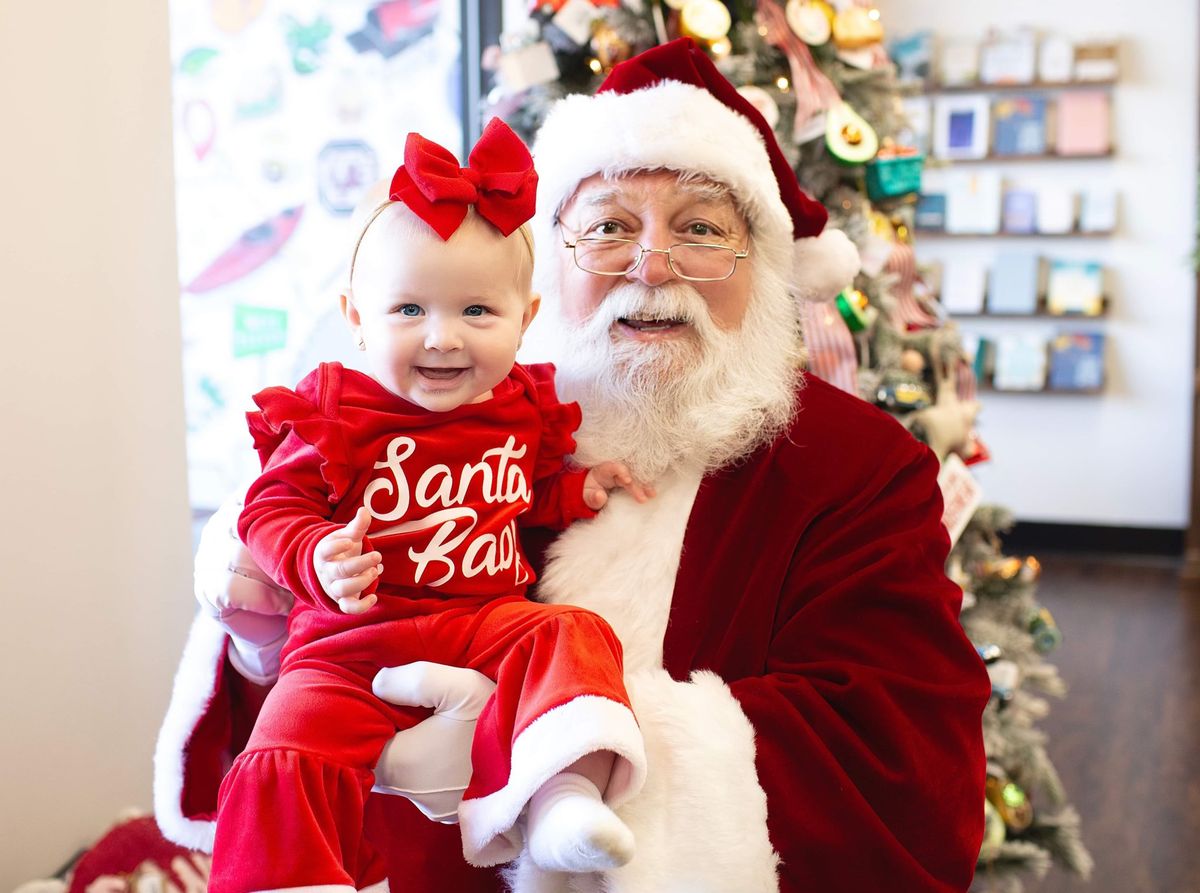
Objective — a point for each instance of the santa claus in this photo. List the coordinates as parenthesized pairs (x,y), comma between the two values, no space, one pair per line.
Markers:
(810,704)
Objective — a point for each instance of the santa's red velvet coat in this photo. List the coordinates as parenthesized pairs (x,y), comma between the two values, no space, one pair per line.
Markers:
(810,704)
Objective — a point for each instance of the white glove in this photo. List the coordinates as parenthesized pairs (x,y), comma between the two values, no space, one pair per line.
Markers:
(430,763)
(244,600)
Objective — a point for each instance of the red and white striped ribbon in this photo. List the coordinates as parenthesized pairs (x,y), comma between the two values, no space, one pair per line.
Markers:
(813,90)
(831,353)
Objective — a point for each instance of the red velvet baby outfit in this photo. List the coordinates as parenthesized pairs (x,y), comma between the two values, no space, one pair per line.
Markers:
(446,491)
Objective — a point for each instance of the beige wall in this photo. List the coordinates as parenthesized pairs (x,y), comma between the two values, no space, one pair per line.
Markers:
(94,545)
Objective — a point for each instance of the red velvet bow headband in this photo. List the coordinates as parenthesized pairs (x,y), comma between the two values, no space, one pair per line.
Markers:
(499,180)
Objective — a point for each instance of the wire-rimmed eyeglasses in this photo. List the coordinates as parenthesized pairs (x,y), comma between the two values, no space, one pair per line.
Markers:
(694,261)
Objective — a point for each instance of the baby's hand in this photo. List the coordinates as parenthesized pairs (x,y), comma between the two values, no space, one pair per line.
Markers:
(605,476)
(343,570)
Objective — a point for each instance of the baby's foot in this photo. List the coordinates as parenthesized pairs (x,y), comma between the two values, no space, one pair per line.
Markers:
(570,828)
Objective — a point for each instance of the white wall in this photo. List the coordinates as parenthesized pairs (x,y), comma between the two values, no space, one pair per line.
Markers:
(1121,459)
(94,544)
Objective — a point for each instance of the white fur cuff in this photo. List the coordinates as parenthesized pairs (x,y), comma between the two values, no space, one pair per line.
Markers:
(551,743)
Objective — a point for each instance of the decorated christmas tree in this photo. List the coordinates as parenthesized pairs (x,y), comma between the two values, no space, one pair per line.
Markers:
(822,78)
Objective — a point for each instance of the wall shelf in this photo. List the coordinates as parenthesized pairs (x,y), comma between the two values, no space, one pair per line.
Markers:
(936,161)
(920,87)
(942,234)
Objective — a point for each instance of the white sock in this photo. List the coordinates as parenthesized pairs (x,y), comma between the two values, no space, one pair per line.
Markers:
(570,828)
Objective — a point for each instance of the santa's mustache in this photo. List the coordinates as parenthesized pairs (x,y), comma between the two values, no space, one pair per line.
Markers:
(673,302)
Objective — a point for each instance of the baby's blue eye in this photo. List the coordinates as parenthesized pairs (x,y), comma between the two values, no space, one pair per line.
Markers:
(408,310)
(475,310)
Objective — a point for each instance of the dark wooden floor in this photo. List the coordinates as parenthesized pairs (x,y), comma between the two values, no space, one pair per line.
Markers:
(1126,739)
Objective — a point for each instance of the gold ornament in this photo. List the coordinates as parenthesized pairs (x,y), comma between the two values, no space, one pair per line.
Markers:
(881,226)
(610,48)
(705,20)
(812,21)
(855,28)
(912,360)
(1003,568)
(1032,569)
(1010,801)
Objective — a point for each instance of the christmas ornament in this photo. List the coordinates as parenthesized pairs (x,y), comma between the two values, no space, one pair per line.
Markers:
(704,20)
(764,102)
(810,20)
(1046,634)
(989,653)
(912,360)
(849,138)
(1001,568)
(993,833)
(814,91)
(609,46)
(895,172)
(853,306)
(1031,570)
(1010,801)
(1006,677)
(855,28)
(900,393)
(946,426)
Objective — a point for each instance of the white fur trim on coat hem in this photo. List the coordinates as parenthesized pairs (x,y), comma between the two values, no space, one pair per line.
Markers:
(551,743)
(193,689)
(700,822)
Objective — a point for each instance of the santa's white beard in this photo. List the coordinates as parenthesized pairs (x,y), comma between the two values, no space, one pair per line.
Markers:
(707,398)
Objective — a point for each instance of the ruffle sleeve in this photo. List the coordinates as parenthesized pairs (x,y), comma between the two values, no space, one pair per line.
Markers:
(311,412)
(560,421)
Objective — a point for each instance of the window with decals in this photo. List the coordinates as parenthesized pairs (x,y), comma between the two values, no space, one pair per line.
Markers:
(286,111)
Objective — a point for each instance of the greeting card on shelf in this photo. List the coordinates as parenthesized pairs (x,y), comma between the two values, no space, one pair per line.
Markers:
(958,63)
(1083,125)
(1014,283)
(1055,210)
(913,56)
(960,126)
(1077,361)
(1096,61)
(1020,363)
(930,213)
(918,124)
(1009,58)
(1075,288)
(1020,211)
(1019,125)
(1098,210)
(1056,60)
(980,353)
(963,285)
(973,202)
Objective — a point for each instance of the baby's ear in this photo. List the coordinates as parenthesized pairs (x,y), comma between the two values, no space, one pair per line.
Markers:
(531,310)
(351,315)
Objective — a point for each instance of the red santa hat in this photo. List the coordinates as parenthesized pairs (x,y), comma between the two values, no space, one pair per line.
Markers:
(669,108)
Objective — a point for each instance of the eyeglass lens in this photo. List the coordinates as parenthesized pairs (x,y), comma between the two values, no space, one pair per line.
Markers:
(614,256)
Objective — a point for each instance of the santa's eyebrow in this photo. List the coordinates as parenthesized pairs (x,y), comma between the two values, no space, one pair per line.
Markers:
(596,198)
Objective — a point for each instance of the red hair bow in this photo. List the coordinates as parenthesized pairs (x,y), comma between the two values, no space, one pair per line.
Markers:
(499,180)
